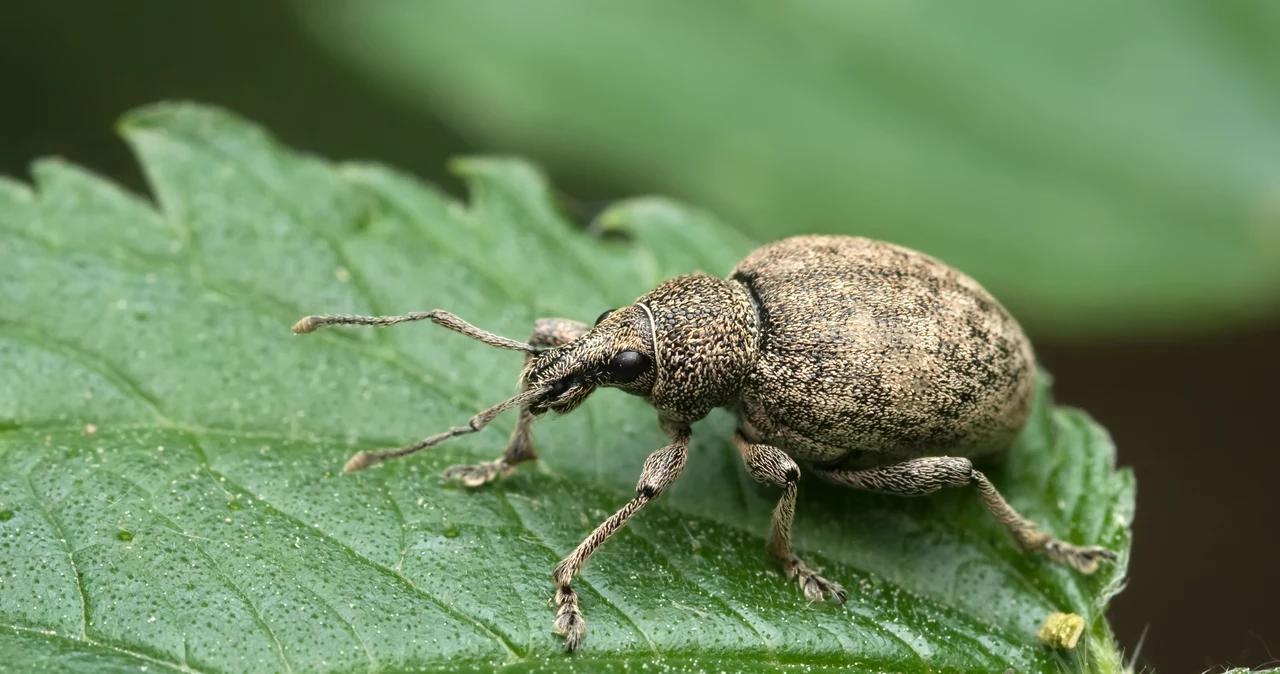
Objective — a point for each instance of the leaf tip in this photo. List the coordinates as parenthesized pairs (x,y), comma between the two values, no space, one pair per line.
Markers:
(151,115)
(177,116)
(650,211)
(511,175)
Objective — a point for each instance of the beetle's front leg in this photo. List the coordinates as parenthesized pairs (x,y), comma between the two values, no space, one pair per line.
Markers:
(660,470)
(931,473)
(771,465)
(547,333)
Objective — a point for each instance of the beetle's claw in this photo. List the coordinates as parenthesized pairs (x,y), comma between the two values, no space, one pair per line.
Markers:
(1084,558)
(475,475)
(817,588)
(573,628)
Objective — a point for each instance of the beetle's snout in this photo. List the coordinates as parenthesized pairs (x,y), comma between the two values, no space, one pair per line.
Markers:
(616,353)
(563,385)
(563,396)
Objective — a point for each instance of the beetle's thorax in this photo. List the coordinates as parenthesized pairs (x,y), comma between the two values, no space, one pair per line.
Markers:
(706,339)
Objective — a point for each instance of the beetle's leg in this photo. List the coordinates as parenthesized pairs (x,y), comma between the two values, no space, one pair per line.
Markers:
(929,474)
(660,470)
(771,465)
(519,450)
(547,333)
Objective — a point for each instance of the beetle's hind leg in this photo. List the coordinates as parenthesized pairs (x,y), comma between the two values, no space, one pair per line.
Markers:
(929,474)
(547,333)
(771,465)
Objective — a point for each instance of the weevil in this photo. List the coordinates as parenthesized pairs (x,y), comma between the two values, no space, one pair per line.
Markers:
(876,366)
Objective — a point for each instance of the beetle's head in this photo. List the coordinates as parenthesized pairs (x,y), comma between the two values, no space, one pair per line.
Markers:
(686,347)
(618,352)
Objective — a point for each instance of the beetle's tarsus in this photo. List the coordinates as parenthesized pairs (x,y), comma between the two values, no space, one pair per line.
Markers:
(1084,558)
(477,474)
(569,621)
(815,587)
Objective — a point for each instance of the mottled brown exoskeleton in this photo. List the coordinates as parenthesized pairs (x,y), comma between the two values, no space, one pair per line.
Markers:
(876,366)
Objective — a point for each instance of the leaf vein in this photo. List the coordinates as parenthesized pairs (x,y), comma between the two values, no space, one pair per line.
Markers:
(639,532)
(364,645)
(263,305)
(400,521)
(460,253)
(269,189)
(66,548)
(239,592)
(595,590)
(444,607)
(175,666)
(123,382)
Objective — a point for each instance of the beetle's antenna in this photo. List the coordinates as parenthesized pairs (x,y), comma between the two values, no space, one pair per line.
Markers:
(363,460)
(439,317)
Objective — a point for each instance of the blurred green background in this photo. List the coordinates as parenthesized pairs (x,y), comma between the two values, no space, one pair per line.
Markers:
(1111,172)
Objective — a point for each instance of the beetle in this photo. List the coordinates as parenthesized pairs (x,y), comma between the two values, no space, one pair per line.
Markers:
(878,367)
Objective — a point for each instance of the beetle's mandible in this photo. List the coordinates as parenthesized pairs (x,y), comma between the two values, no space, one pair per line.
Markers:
(876,366)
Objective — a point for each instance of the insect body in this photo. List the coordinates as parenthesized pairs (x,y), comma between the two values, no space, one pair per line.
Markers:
(877,367)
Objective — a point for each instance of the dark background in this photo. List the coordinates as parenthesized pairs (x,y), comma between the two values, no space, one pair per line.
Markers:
(1193,415)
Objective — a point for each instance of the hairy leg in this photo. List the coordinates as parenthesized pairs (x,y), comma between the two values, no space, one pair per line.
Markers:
(771,465)
(929,474)
(660,470)
(547,333)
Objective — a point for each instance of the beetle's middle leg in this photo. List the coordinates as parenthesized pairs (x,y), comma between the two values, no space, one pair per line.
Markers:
(931,473)
(771,465)
(547,333)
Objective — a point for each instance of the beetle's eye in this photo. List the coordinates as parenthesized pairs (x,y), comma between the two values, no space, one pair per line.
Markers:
(628,366)
(601,317)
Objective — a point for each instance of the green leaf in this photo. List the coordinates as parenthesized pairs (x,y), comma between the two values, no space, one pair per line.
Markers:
(1097,176)
(171,493)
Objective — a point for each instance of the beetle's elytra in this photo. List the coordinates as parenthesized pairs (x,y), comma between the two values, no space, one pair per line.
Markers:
(876,366)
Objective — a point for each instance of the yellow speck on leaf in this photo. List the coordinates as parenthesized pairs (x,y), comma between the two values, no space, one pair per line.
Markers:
(1061,630)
